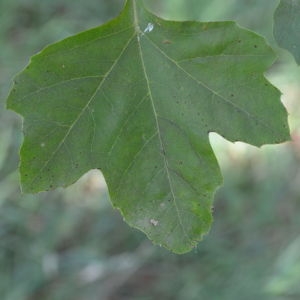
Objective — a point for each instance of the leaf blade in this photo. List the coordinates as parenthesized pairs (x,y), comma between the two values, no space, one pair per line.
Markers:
(141,113)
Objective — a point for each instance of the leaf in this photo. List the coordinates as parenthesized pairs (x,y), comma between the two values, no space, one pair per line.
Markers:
(287,26)
(136,98)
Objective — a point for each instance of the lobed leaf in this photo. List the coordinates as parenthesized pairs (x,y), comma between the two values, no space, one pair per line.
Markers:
(136,98)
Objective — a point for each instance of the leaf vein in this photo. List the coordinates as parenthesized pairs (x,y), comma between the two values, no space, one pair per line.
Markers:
(83,110)
(207,87)
(158,126)
(84,44)
(131,114)
(222,56)
(134,160)
(57,84)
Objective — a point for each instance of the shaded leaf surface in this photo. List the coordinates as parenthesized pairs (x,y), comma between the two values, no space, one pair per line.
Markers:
(287,26)
(136,98)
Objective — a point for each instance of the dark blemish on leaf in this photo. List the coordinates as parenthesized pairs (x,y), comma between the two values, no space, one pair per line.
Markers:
(50,186)
(239,41)
(25,175)
(155,167)
(232,95)
(255,46)
(181,163)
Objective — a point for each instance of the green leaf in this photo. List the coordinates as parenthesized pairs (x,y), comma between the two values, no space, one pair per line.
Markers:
(136,98)
(287,26)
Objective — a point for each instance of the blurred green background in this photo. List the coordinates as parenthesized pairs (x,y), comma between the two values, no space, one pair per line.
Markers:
(71,245)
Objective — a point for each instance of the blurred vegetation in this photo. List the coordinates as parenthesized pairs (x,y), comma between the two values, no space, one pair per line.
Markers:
(70,244)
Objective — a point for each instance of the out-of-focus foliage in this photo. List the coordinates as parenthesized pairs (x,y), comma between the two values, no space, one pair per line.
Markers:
(287,273)
(255,14)
(72,245)
(287,26)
